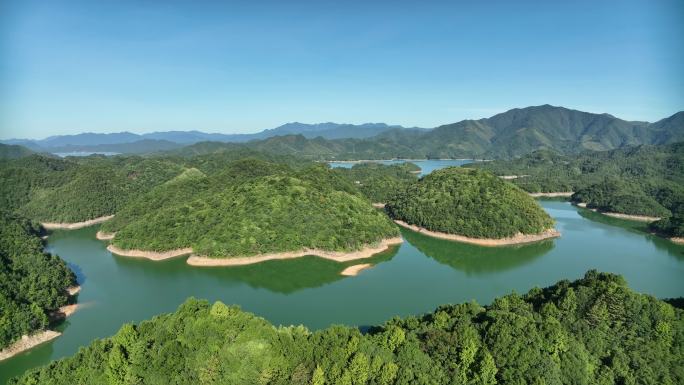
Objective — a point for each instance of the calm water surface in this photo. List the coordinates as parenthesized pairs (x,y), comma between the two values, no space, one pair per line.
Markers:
(413,278)
(426,166)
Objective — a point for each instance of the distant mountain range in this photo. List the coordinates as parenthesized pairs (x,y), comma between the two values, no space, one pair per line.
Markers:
(128,142)
(509,134)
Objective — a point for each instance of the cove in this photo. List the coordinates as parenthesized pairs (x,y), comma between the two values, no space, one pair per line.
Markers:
(412,278)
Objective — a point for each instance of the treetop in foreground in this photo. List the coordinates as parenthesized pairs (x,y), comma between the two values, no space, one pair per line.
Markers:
(594,330)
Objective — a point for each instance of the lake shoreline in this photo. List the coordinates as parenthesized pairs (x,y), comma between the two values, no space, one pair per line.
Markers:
(151,255)
(564,194)
(28,342)
(336,256)
(75,225)
(101,235)
(490,242)
(354,270)
(395,160)
(628,217)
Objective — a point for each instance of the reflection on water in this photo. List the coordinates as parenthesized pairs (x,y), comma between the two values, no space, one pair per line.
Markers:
(280,276)
(635,227)
(477,260)
(412,278)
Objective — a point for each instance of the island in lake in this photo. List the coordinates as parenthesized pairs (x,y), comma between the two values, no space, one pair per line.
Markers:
(471,206)
(251,212)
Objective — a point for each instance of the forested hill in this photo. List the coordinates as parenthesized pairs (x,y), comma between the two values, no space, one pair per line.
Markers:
(510,134)
(470,203)
(13,151)
(642,180)
(32,283)
(251,207)
(591,331)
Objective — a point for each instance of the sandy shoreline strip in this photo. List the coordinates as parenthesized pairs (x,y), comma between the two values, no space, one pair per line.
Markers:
(677,240)
(354,270)
(552,194)
(515,240)
(73,290)
(378,205)
(629,217)
(76,225)
(28,342)
(366,252)
(152,255)
(101,235)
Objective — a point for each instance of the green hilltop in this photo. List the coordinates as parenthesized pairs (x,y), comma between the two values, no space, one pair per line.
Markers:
(468,202)
(251,207)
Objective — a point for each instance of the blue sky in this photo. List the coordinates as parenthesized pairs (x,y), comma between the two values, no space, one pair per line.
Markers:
(69,66)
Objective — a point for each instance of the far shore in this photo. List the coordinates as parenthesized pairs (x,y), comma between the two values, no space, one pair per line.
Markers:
(397,160)
(677,240)
(336,256)
(629,217)
(101,235)
(28,342)
(379,205)
(354,270)
(552,194)
(151,255)
(514,240)
(75,225)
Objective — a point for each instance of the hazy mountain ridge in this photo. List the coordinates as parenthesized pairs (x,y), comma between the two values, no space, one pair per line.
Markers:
(509,134)
(162,140)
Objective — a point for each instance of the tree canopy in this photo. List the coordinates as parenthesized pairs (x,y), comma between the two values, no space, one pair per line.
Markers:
(591,331)
(32,283)
(468,202)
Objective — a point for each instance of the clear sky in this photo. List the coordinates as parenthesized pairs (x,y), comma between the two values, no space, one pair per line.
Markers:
(69,66)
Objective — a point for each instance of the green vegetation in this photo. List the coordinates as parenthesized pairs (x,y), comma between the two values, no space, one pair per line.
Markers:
(10,151)
(591,331)
(643,180)
(51,189)
(468,202)
(379,182)
(32,283)
(251,207)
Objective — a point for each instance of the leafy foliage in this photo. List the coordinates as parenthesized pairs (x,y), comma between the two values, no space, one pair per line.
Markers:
(379,182)
(468,202)
(646,180)
(251,207)
(32,283)
(591,331)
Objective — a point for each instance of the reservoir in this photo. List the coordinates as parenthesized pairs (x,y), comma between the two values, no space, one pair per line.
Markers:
(413,278)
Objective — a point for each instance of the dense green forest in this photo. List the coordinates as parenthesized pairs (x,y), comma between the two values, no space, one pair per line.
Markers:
(379,182)
(50,189)
(643,180)
(32,283)
(468,202)
(591,331)
(251,207)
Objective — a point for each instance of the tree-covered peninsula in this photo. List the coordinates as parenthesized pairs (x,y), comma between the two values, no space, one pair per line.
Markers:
(251,207)
(643,180)
(33,284)
(469,203)
(591,331)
